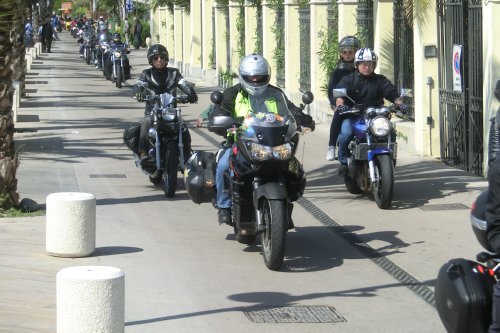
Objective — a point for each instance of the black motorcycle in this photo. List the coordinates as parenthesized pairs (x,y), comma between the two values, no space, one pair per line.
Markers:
(119,60)
(89,42)
(168,135)
(265,176)
(464,287)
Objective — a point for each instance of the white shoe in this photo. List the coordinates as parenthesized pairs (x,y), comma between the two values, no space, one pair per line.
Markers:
(330,155)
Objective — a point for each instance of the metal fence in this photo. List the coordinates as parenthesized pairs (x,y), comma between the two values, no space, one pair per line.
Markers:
(305,49)
(460,96)
(365,22)
(279,26)
(404,74)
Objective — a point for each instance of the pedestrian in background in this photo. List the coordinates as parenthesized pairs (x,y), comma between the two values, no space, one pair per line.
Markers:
(47,35)
(137,29)
(126,30)
(28,34)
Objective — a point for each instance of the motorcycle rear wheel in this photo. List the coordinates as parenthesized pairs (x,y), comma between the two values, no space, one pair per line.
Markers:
(383,188)
(119,76)
(274,216)
(351,185)
(170,173)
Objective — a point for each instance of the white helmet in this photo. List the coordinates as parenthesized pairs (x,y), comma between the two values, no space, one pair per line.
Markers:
(253,65)
(365,54)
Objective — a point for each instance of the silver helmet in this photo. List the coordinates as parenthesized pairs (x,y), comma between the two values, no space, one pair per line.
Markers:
(251,66)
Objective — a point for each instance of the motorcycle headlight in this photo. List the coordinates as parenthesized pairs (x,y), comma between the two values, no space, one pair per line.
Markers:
(261,153)
(168,114)
(283,152)
(117,54)
(152,133)
(380,126)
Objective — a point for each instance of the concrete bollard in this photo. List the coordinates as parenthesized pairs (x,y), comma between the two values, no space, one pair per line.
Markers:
(90,299)
(70,225)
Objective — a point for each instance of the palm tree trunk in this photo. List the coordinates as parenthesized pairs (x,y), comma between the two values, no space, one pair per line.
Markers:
(9,37)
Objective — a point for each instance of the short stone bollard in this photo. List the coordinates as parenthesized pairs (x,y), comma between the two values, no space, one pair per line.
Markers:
(90,299)
(71,224)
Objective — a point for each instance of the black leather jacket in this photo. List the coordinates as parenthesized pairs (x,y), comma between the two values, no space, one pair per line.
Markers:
(368,90)
(228,104)
(166,80)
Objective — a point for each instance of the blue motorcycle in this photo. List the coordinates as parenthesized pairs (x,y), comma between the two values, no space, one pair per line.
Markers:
(372,151)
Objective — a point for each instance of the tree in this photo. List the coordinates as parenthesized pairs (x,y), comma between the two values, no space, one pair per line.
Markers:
(12,18)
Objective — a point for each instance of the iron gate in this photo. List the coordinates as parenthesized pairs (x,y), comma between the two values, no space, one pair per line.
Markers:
(461,108)
(404,73)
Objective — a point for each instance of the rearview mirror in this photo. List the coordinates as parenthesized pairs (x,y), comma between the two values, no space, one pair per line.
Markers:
(406,92)
(337,93)
(307,97)
(216,97)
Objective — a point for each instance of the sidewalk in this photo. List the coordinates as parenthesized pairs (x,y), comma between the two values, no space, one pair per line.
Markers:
(62,131)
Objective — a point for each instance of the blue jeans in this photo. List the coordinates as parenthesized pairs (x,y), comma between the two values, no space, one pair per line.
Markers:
(345,137)
(223,195)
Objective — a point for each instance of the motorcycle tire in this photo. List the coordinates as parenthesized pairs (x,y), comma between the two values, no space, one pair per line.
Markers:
(170,173)
(87,56)
(275,218)
(351,185)
(119,76)
(383,188)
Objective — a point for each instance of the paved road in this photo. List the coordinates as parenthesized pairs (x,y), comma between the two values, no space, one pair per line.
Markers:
(184,272)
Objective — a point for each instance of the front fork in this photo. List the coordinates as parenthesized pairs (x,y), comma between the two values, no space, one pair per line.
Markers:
(181,143)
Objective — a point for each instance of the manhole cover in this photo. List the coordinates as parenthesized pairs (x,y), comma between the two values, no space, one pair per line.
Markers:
(452,206)
(108,175)
(294,314)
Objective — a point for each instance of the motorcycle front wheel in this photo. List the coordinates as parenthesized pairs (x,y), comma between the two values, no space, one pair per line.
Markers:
(383,188)
(274,216)
(119,75)
(87,56)
(170,173)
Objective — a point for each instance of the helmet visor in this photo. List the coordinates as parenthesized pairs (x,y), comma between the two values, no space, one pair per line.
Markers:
(255,80)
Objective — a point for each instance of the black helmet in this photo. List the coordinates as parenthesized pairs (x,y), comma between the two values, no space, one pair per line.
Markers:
(117,38)
(349,42)
(157,49)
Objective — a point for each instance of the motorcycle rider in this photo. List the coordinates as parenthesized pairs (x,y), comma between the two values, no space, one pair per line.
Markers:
(161,79)
(493,214)
(254,75)
(104,38)
(347,49)
(365,88)
(108,65)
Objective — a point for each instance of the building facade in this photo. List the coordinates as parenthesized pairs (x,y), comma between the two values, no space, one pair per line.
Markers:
(444,52)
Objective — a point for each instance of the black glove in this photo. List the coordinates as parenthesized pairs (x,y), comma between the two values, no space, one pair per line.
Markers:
(192,98)
(403,108)
(140,96)
(342,108)
(305,120)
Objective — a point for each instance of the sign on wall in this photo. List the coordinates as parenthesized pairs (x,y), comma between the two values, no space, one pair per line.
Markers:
(457,68)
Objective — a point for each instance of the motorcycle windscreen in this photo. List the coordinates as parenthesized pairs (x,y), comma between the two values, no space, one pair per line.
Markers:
(166,99)
(270,123)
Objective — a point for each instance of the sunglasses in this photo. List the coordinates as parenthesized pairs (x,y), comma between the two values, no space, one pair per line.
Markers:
(156,58)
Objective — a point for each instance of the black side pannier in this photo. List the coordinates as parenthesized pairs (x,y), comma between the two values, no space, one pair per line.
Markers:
(199,177)
(131,137)
(464,292)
